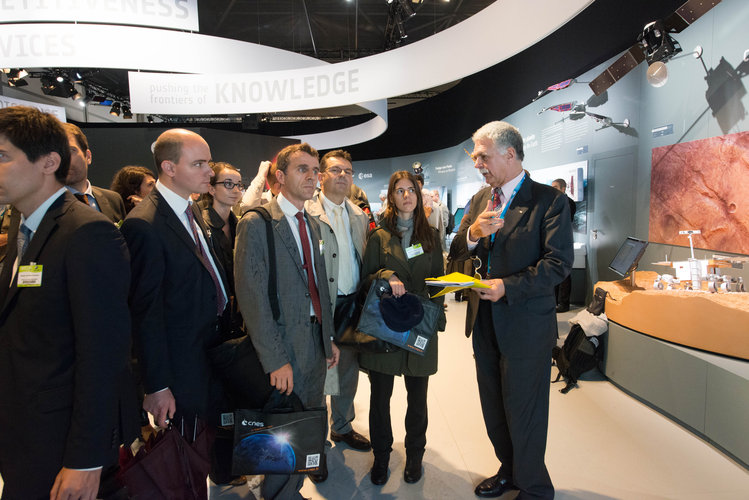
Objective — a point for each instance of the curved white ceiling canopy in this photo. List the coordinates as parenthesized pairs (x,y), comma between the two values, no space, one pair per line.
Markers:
(265,79)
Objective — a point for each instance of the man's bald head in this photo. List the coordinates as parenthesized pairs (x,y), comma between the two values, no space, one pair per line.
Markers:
(168,147)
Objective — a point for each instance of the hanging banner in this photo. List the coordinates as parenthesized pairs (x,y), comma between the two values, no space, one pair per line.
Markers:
(178,14)
(57,111)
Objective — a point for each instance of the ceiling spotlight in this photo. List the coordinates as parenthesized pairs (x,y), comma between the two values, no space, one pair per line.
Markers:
(54,87)
(116,108)
(126,113)
(16,77)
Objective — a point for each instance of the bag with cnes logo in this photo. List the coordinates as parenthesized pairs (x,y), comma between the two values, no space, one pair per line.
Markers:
(282,438)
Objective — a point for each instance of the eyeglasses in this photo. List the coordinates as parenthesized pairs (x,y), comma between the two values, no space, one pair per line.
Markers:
(231,185)
(335,171)
(402,192)
(476,267)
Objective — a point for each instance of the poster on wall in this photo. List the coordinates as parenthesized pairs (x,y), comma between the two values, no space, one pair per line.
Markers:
(703,185)
(575,175)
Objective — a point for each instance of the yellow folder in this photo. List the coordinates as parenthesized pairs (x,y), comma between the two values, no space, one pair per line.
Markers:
(453,282)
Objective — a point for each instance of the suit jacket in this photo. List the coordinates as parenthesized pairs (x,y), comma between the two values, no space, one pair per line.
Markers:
(66,392)
(173,306)
(532,253)
(110,203)
(359,222)
(286,340)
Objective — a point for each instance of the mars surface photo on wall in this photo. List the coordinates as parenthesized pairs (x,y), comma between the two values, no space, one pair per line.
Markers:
(703,185)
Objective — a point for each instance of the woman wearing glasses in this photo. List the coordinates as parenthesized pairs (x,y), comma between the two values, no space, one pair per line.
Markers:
(404,250)
(225,191)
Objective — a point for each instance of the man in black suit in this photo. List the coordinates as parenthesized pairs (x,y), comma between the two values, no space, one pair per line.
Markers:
(178,294)
(64,346)
(521,232)
(105,201)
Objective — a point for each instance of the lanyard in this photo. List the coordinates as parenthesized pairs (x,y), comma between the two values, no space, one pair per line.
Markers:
(509,200)
(502,216)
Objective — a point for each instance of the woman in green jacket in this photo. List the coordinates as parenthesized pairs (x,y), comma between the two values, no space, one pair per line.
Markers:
(403,250)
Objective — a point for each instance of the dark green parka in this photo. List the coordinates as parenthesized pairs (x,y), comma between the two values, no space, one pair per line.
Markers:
(383,257)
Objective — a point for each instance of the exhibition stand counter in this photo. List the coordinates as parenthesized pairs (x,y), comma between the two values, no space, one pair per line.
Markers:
(685,354)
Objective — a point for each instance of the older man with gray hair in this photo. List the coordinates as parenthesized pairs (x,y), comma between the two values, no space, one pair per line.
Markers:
(521,232)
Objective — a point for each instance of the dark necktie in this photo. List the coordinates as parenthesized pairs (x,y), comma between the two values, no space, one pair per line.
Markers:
(308,266)
(84,198)
(220,297)
(24,236)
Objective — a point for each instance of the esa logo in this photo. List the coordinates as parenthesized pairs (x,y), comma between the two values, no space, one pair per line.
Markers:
(252,423)
(364,176)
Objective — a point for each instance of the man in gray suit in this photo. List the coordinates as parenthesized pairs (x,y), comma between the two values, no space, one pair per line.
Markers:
(344,231)
(293,350)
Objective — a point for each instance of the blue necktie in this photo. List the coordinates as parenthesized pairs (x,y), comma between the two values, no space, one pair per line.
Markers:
(24,236)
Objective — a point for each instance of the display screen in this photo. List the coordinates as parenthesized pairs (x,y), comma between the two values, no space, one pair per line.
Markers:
(457,217)
(628,256)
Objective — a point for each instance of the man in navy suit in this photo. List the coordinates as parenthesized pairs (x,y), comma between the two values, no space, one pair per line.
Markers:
(178,292)
(66,394)
(521,232)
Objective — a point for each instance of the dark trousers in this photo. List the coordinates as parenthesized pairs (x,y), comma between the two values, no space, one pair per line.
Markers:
(514,394)
(309,379)
(563,291)
(380,429)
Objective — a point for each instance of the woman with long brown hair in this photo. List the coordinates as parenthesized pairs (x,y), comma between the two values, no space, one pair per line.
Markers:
(404,250)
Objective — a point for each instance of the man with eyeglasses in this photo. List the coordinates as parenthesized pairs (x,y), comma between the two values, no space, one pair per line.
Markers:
(521,232)
(295,348)
(343,227)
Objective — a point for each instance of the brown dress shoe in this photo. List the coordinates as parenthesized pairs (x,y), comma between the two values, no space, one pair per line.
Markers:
(353,439)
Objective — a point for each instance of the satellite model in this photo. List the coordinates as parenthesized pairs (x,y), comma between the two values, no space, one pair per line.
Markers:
(654,44)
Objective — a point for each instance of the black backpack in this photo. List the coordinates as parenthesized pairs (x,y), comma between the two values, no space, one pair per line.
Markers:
(579,353)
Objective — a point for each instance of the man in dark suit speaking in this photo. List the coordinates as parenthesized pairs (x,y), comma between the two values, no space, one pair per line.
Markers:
(521,232)
(64,345)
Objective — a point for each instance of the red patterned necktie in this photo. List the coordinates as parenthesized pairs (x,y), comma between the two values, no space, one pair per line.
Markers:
(220,296)
(308,266)
(496,198)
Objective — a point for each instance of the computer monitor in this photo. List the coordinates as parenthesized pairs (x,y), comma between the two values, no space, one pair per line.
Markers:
(628,256)
(457,217)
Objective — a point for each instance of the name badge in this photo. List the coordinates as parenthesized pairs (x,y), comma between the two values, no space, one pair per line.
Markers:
(30,275)
(414,251)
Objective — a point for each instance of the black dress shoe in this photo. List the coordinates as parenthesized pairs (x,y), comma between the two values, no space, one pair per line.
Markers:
(493,487)
(562,308)
(319,476)
(353,439)
(412,471)
(379,472)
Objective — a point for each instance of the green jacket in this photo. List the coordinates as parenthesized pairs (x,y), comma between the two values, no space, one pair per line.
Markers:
(384,257)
